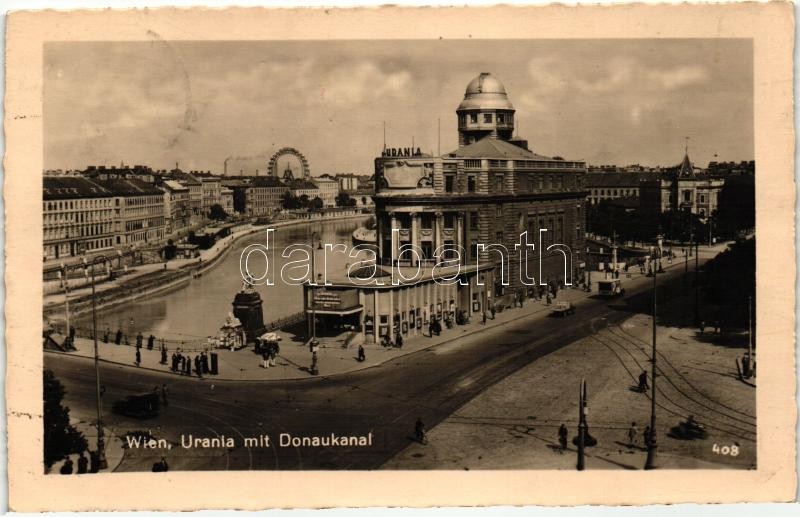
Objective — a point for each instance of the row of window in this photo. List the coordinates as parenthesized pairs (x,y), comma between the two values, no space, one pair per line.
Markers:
(79,204)
(487,118)
(627,192)
(78,217)
(525,182)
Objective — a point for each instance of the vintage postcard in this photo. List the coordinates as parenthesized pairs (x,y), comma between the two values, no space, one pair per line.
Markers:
(400,256)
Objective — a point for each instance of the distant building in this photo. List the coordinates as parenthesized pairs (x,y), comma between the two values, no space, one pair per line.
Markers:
(262,196)
(195,187)
(347,182)
(300,188)
(328,190)
(226,200)
(82,215)
(78,216)
(138,172)
(177,209)
(604,185)
(212,193)
(682,188)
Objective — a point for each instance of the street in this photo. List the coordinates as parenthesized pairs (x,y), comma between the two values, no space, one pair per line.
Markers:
(384,400)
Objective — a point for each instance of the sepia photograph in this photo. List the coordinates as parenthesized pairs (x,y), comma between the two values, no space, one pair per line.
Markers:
(362,255)
(468,257)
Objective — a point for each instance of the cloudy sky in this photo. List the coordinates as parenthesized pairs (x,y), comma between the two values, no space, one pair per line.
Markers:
(197,103)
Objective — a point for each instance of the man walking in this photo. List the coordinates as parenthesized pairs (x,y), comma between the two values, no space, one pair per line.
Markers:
(562,437)
(484,318)
(633,435)
(362,356)
(643,386)
(163,353)
(138,357)
(494,310)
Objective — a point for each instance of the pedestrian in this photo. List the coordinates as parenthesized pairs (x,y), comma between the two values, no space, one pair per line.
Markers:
(118,337)
(163,353)
(484,317)
(549,300)
(265,359)
(643,386)
(702,327)
(562,437)
(66,468)
(398,342)
(164,394)
(83,464)
(198,366)
(493,309)
(647,438)
(138,357)
(273,354)
(150,341)
(182,363)
(633,435)
(361,355)
(174,364)
(105,335)
(139,339)
(204,362)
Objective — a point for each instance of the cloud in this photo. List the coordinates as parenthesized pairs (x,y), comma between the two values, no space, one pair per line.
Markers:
(678,77)
(353,83)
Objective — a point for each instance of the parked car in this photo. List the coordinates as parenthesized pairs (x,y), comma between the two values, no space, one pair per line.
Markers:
(563,309)
(610,288)
(143,405)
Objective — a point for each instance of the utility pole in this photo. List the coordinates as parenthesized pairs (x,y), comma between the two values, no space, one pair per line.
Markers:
(582,425)
(101,446)
(650,463)
(66,296)
(313,343)
(750,328)
(697,283)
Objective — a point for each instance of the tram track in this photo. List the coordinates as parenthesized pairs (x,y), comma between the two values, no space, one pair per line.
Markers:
(672,395)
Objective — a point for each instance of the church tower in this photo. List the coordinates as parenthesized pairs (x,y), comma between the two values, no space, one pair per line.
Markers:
(485,111)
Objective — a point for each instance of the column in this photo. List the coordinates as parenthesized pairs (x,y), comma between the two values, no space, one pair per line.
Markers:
(414,235)
(459,240)
(395,237)
(437,234)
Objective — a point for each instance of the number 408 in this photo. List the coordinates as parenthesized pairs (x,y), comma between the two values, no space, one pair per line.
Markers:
(725,450)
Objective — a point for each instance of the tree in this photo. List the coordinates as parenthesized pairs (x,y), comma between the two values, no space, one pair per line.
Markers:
(60,437)
(217,213)
(289,201)
(316,204)
(343,199)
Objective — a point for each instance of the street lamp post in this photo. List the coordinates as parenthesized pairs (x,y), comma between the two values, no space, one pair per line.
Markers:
(651,440)
(697,282)
(313,342)
(65,272)
(101,448)
(582,426)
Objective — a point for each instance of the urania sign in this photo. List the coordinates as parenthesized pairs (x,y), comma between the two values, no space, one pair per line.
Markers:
(401,151)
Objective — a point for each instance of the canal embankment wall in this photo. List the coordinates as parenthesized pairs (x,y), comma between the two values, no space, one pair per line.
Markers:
(155,284)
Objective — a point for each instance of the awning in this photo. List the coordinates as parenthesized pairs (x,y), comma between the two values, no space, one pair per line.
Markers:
(341,312)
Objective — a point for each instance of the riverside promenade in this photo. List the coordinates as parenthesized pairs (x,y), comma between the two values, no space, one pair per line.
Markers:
(294,358)
(149,279)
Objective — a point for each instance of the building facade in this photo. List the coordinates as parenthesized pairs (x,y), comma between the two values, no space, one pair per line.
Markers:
(226,200)
(682,189)
(263,195)
(458,212)
(83,215)
(212,193)
(78,216)
(177,210)
(328,190)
